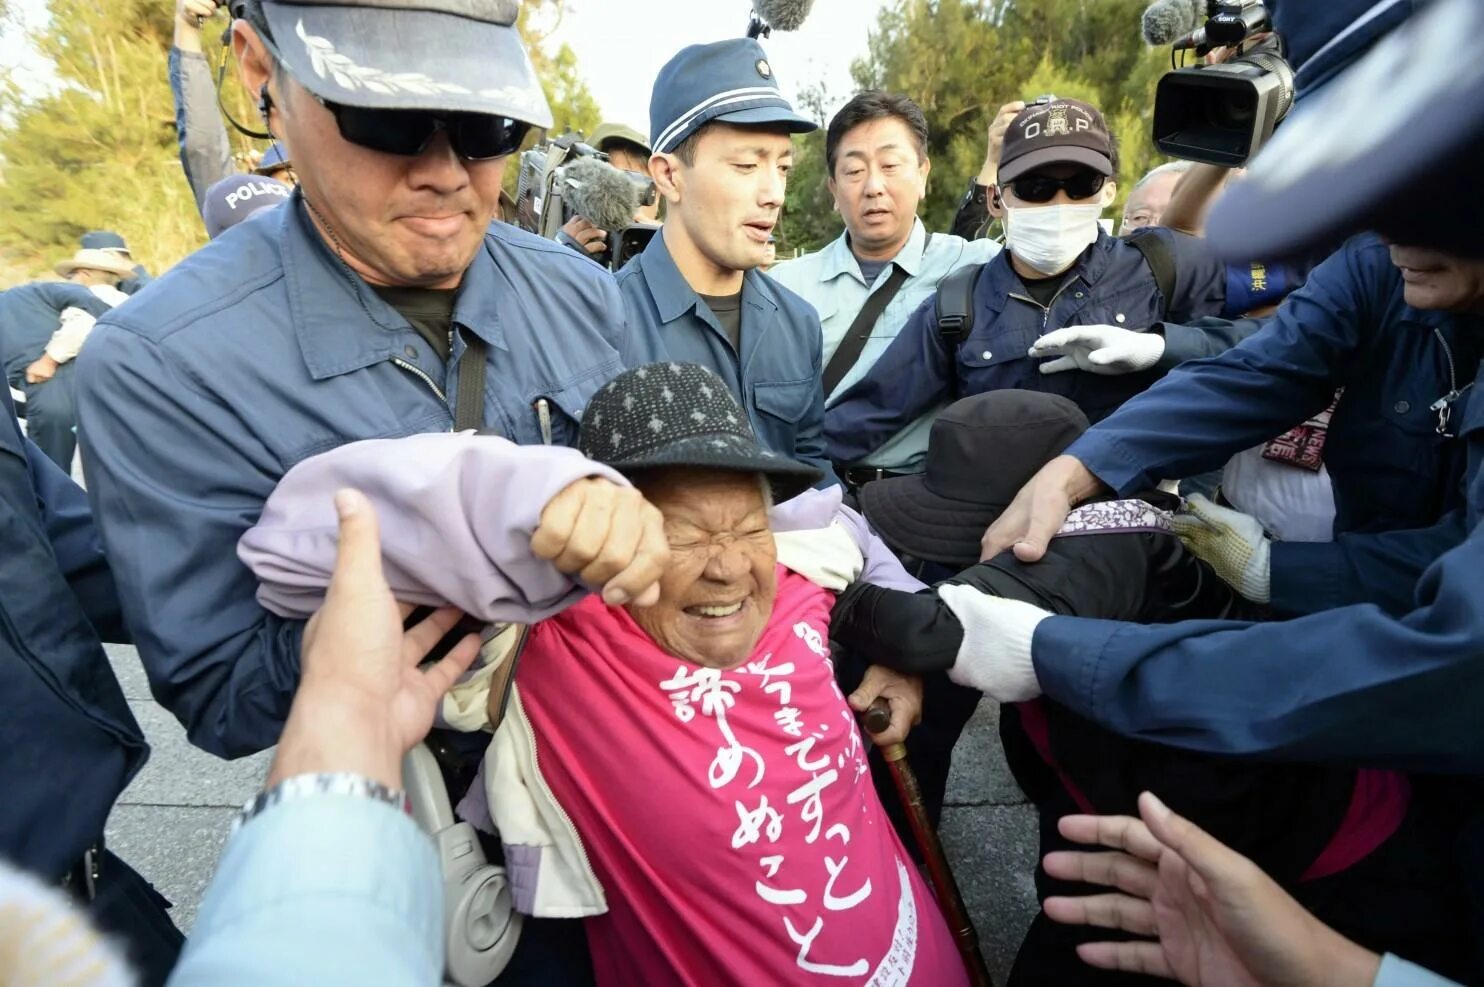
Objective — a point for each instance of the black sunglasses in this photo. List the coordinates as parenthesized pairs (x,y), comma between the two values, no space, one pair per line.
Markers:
(1042,188)
(474,136)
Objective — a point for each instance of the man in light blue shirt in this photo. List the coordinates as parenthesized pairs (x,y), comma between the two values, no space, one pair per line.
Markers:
(876,148)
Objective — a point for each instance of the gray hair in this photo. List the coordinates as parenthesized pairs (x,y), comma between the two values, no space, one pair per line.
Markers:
(766,486)
(1168,168)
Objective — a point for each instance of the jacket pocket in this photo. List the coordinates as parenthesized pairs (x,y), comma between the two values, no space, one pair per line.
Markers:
(992,349)
(555,413)
(787,400)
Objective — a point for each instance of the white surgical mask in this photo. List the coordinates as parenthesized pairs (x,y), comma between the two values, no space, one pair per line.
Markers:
(1050,238)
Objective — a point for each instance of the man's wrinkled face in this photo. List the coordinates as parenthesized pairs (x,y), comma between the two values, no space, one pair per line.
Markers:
(1438,281)
(414,220)
(727,202)
(717,596)
(1146,205)
(880,177)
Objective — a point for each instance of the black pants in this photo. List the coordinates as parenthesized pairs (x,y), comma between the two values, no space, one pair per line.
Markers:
(129,909)
(51,417)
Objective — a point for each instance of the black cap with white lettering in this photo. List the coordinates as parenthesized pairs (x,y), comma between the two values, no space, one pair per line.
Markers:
(237,197)
(1061,131)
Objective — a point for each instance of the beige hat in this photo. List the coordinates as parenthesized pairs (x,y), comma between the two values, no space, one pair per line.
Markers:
(616,131)
(96,260)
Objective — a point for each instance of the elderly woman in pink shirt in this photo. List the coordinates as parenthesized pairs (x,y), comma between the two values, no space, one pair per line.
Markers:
(687,776)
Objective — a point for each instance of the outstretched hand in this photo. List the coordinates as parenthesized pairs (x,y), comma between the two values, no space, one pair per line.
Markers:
(363,699)
(1215,919)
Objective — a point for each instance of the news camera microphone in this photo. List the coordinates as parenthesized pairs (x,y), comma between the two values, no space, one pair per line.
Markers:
(779,15)
(1168,21)
(600,193)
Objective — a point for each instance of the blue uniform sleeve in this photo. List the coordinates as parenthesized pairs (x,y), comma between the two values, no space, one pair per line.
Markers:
(175,478)
(75,542)
(1376,567)
(324,890)
(1202,338)
(205,153)
(913,376)
(1353,685)
(1206,411)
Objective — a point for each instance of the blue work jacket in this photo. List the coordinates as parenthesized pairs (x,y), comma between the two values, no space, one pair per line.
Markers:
(1111,284)
(68,742)
(256,352)
(30,314)
(1392,469)
(776,376)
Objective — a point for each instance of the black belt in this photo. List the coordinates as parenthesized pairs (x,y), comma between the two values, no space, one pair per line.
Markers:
(856,477)
(81,879)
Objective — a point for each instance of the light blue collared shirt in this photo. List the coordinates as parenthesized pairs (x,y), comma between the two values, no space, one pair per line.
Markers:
(1397,972)
(831,281)
(325,890)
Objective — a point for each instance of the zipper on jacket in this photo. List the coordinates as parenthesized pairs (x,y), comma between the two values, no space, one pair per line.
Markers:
(1444,405)
(403,364)
(1046,309)
(520,707)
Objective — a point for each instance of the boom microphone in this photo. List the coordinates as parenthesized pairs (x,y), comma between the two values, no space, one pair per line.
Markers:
(777,15)
(1167,21)
(600,193)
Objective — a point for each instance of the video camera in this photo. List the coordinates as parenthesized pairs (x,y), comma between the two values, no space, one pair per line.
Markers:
(1221,114)
(566,177)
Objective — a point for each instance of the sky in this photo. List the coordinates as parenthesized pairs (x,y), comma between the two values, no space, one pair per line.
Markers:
(620,46)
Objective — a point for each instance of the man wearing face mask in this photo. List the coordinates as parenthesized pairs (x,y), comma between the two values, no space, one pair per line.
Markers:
(984,328)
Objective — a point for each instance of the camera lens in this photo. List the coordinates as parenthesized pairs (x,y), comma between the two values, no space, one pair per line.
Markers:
(1232,110)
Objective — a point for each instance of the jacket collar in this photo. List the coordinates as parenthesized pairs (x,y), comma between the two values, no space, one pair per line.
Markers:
(839,259)
(1000,281)
(342,325)
(673,296)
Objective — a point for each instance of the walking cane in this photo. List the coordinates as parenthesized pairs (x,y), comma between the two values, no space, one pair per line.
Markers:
(877,719)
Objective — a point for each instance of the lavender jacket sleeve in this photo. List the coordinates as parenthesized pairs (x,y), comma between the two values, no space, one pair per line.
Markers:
(457,512)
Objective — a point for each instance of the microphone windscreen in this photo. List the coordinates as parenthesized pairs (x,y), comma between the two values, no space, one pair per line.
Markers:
(1167,21)
(601,194)
(783,15)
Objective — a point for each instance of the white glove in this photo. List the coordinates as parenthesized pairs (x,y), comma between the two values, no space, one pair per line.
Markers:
(995,656)
(1108,350)
(1232,543)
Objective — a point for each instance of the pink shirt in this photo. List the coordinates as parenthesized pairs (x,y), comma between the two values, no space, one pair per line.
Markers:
(729,814)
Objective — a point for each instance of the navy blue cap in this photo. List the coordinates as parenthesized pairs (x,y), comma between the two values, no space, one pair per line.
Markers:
(273,159)
(731,81)
(1395,144)
(237,197)
(1322,39)
(104,240)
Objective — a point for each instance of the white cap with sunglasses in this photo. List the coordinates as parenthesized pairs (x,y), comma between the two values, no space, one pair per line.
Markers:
(395,72)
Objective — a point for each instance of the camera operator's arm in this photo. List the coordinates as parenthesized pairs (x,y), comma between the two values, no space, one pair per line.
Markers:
(583,236)
(205,153)
(1192,198)
(974,211)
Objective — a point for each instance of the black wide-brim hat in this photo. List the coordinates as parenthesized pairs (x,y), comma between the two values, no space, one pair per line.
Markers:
(981,451)
(667,415)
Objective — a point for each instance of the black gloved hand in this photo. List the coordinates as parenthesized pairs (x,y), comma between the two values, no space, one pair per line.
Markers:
(910,632)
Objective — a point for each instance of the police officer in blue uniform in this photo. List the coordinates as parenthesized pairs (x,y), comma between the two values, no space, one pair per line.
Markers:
(70,743)
(1060,269)
(377,301)
(29,315)
(1354,684)
(722,153)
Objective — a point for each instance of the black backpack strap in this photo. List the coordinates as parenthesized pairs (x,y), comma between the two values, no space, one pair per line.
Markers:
(1161,261)
(954,304)
(468,410)
(849,350)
